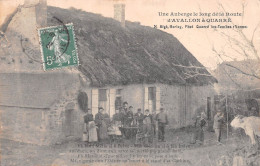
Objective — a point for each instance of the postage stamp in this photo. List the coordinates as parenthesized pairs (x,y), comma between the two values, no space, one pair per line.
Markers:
(58,47)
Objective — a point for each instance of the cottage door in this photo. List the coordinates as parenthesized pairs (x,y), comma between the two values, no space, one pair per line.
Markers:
(209,108)
(152,99)
(68,122)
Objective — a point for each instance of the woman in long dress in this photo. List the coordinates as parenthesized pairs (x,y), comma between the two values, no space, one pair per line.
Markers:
(102,120)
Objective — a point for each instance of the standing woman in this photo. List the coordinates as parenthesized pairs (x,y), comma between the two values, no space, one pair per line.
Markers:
(87,118)
(91,127)
(102,120)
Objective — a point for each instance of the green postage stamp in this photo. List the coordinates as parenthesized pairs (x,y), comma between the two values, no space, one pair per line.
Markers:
(58,47)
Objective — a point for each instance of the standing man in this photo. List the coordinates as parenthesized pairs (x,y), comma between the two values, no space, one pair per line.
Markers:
(139,118)
(154,122)
(130,116)
(125,107)
(218,120)
(198,134)
(122,119)
(128,122)
(162,122)
(147,128)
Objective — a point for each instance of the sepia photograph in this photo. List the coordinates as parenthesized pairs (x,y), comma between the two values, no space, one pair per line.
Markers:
(129,82)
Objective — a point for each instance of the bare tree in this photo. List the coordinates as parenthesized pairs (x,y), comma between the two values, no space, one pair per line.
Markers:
(240,44)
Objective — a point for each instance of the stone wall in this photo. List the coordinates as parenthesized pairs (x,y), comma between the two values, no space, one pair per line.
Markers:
(183,103)
(134,95)
(171,102)
(50,113)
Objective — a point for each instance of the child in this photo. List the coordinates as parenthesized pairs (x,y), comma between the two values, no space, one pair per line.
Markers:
(92,132)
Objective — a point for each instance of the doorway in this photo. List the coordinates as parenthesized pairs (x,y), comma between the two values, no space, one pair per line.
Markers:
(209,108)
(68,124)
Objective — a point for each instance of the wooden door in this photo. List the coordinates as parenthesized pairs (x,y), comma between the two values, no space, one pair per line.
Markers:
(69,126)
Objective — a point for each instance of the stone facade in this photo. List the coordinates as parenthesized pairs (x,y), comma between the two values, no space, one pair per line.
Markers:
(46,113)
(182,103)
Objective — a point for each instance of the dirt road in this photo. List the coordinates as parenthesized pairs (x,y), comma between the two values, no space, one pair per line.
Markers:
(177,150)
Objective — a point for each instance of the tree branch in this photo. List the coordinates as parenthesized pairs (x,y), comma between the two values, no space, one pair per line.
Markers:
(253,75)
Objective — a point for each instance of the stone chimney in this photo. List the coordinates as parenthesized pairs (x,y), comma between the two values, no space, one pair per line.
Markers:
(119,13)
(41,13)
(40,7)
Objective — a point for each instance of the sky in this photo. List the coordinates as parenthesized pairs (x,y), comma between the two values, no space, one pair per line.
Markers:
(199,41)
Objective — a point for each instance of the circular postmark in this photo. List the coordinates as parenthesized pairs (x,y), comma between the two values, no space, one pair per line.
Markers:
(30,50)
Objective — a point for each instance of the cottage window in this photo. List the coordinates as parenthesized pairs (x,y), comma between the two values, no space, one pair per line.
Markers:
(118,92)
(102,95)
(102,98)
(152,99)
(118,101)
(151,93)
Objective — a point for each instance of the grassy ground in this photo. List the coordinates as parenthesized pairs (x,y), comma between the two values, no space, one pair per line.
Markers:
(177,150)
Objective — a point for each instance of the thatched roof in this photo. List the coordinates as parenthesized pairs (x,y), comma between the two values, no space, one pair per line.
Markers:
(112,55)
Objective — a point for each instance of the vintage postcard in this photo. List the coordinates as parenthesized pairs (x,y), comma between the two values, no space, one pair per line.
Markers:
(129,82)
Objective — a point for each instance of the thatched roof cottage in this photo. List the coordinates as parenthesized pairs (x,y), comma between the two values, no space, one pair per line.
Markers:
(119,61)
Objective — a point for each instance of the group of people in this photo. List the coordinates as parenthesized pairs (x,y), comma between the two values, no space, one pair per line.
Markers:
(124,124)
(200,123)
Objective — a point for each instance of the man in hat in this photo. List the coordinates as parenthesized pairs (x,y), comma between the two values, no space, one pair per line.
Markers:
(125,107)
(147,128)
(218,120)
(128,119)
(129,116)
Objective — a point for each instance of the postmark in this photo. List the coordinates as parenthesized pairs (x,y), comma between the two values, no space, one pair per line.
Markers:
(58,46)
